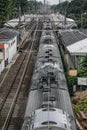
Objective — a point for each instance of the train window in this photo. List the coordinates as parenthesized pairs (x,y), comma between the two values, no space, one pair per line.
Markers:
(47,33)
(50,54)
(50,60)
(46,56)
(1,50)
(49,122)
(46,90)
(50,50)
(50,109)
(65,126)
(46,105)
(47,52)
(52,98)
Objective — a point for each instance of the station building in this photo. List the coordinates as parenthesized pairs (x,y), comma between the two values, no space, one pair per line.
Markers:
(75,44)
(8,47)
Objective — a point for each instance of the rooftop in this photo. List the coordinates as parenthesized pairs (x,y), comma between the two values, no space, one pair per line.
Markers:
(7,34)
(78,48)
(72,36)
(49,118)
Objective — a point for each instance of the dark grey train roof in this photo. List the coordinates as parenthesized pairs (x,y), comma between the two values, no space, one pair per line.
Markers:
(71,36)
(49,91)
(58,92)
(47,26)
(48,50)
(47,39)
(47,32)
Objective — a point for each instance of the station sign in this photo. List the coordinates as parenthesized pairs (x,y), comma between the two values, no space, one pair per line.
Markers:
(73,72)
(82,81)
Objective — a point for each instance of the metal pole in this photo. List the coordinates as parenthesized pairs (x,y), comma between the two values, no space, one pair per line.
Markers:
(35,5)
(19,14)
(82,20)
(59,1)
(44,6)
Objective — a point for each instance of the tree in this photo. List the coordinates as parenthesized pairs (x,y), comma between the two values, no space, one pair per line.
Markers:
(33,6)
(10,9)
(5,10)
(74,10)
(82,72)
(71,80)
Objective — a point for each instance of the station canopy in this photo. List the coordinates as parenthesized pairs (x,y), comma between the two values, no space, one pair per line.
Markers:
(78,48)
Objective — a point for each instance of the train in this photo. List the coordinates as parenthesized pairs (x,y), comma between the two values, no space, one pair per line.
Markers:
(62,22)
(48,106)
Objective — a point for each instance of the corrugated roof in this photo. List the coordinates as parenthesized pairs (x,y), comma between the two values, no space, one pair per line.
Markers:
(2,36)
(7,34)
(79,47)
(14,22)
(72,36)
(83,31)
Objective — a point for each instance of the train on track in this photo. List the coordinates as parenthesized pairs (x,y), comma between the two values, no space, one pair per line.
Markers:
(49,106)
(62,22)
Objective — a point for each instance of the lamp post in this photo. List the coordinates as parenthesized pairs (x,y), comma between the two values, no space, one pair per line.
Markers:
(19,14)
(82,14)
(44,6)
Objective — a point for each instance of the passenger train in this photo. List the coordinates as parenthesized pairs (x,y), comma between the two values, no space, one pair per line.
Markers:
(49,106)
(61,22)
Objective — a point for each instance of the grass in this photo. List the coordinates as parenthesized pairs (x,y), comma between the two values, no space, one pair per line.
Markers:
(0,60)
(81,105)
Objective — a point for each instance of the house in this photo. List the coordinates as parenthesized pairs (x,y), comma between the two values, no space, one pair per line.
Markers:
(75,43)
(8,46)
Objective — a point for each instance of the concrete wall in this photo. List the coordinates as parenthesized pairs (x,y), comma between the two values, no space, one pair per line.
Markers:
(1,55)
(6,47)
(12,49)
(2,66)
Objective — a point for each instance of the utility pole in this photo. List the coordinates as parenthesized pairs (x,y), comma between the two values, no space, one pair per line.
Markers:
(59,1)
(35,6)
(19,14)
(44,6)
(65,16)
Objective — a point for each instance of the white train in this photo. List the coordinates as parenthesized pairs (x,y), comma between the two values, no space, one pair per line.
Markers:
(49,106)
(63,23)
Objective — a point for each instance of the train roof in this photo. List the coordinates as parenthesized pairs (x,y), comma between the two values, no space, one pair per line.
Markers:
(60,21)
(49,118)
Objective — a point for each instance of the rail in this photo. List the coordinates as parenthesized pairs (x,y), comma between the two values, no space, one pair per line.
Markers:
(7,120)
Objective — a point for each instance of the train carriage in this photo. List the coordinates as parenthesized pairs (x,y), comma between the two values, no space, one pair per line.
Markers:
(49,106)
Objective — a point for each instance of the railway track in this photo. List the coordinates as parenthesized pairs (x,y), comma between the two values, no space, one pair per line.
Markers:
(29,29)
(13,93)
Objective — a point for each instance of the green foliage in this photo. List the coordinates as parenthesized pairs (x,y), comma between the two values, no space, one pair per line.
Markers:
(76,10)
(10,8)
(60,7)
(0,60)
(33,6)
(81,105)
(71,80)
(23,4)
(3,10)
(82,72)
